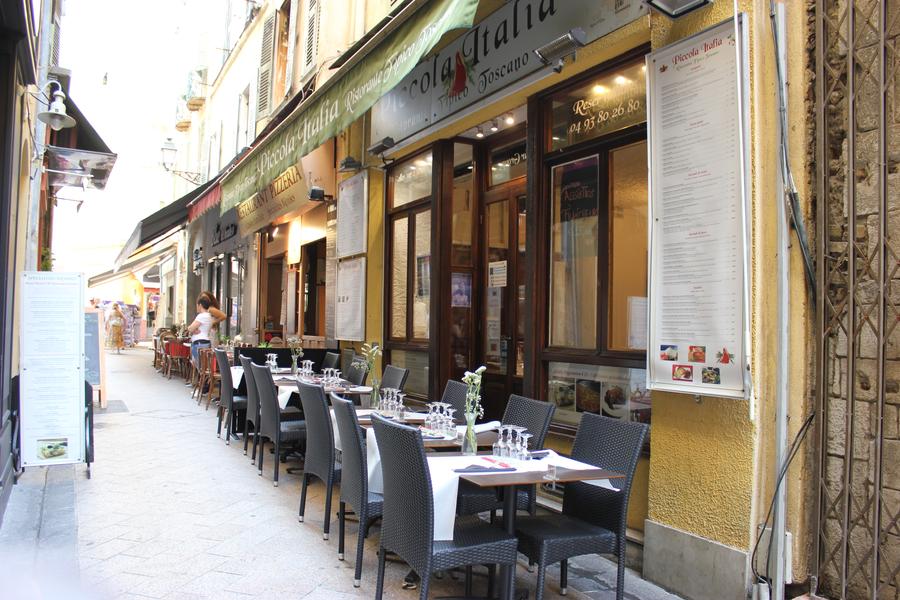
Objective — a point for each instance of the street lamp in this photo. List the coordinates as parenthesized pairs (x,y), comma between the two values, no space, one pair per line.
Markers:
(169,152)
(55,116)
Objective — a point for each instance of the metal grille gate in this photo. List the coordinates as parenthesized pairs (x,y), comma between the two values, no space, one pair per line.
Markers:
(857,548)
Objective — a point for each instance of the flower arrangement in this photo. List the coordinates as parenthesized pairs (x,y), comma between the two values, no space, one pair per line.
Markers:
(370,351)
(473,392)
(296,346)
(473,408)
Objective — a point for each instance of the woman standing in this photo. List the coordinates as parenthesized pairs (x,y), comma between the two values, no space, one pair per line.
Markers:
(115,326)
(201,328)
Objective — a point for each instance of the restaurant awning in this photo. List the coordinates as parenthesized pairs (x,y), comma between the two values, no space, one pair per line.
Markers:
(148,263)
(165,221)
(384,61)
(71,167)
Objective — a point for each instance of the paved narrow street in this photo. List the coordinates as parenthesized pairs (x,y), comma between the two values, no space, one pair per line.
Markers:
(172,512)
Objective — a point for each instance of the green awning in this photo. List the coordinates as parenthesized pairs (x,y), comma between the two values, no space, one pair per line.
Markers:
(335,106)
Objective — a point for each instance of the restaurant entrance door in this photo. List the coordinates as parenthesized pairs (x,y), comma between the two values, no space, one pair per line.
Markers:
(502,340)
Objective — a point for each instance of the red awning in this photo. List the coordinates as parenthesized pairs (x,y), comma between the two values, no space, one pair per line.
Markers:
(204,203)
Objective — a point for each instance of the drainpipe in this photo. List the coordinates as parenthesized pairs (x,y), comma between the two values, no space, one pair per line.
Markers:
(776,571)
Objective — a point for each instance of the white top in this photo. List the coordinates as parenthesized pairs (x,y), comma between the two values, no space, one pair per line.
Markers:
(206,322)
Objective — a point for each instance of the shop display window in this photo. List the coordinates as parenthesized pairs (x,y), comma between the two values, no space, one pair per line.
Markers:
(615,392)
(508,162)
(607,103)
(411,181)
(417,363)
(400,244)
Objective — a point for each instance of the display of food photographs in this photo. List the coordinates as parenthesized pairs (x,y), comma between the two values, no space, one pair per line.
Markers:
(697,354)
(711,375)
(50,448)
(668,352)
(683,372)
(609,399)
(562,393)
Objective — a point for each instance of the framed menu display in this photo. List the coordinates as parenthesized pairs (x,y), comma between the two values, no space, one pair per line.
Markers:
(52,368)
(350,305)
(352,215)
(698,305)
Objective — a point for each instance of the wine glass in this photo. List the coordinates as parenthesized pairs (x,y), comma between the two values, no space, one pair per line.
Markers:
(515,445)
(525,454)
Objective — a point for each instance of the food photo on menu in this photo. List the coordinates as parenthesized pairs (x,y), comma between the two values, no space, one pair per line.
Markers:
(697,354)
(668,352)
(682,372)
(711,375)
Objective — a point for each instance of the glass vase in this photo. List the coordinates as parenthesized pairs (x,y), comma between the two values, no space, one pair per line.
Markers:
(294,358)
(375,396)
(470,442)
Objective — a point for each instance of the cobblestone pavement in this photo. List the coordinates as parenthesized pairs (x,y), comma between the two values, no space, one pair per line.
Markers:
(172,512)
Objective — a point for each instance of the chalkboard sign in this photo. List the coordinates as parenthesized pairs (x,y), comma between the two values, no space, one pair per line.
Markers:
(94,363)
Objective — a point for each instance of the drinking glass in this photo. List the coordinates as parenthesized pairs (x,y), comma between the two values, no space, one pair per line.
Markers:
(515,446)
(525,454)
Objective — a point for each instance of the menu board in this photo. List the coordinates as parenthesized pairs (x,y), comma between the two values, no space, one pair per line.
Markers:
(697,90)
(352,215)
(350,313)
(52,365)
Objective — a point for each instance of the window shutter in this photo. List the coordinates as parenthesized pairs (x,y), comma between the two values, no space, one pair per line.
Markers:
(54,43)
(266,58)
(312,36)
(293,18)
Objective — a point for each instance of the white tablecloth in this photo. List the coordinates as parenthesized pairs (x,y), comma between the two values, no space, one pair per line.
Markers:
(284,393)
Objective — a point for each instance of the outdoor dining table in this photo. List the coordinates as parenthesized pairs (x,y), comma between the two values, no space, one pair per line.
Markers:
(528,472)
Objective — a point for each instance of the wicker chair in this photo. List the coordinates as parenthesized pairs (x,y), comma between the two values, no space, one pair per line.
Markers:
(455,395)
(535,416)
(593,518)
(354,480)
(408,520)
(271,425)
(229,404)
(394,377)
(319,457)
(331,360)
(252,417)
(348,357)
(357,373)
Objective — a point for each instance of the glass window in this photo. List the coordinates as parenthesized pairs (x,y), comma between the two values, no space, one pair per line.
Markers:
(610,102)
(235,291)
(400,241)
(417,363)
(411,180)
(422,276)
(463,206)
(615,392)
(574,241)
(508,163)
(628,248)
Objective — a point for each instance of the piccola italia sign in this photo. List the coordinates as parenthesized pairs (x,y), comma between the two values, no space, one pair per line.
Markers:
(328,112)
(489,57)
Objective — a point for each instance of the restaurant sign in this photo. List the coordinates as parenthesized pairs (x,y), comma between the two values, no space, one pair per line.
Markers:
(286,193)
(325,114)
(489,57)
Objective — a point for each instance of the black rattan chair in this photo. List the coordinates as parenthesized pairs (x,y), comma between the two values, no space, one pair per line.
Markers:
(455,395)
(348,357)
(318,459)
(408,520)
(331,360)
(229,404)
(357,373)
(271,425)
(533,415)
(252,416)
(394,377)
(354,480)
(593,518)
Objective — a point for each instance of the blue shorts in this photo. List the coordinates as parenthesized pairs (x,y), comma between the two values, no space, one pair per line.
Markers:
(195,350)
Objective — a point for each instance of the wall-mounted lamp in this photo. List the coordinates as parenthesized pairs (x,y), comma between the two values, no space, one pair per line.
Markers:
(316,193)
(55,116)
(349,165)
(555,52)
(510,119)
(169,151)
(479,133)
(676,8)
(382,146)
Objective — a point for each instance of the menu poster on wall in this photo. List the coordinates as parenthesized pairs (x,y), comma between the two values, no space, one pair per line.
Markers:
(352,215)
(697,90)
(350,312)
(52,364)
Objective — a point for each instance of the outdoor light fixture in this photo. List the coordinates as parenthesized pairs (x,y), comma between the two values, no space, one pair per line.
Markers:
(169,152)
(494,126)
(316,193)
(510,119)
(55,116)
(381,146)
(349,165)
(676,8)
(555,52)
(478,132)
